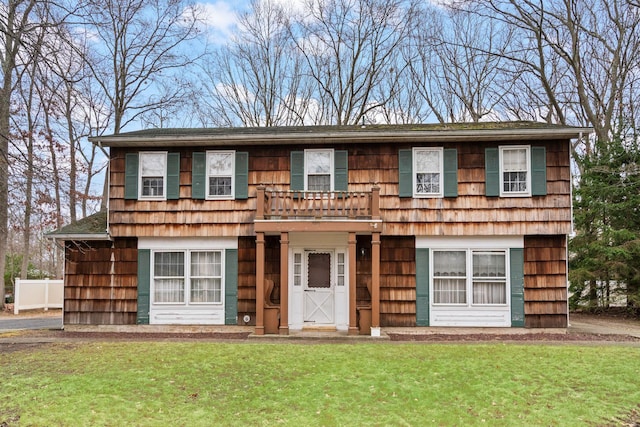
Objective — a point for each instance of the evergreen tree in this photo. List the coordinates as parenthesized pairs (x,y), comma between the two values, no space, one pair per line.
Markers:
(605,253)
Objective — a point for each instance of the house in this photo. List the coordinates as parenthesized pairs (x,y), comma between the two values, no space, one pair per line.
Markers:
(348,228)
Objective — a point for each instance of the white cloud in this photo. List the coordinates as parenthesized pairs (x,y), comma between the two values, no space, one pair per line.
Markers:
(291,5)
(219,18)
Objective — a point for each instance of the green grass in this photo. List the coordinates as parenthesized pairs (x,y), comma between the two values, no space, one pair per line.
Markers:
(198,383)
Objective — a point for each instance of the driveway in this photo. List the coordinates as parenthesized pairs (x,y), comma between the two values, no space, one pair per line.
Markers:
(38,320)
(603,325)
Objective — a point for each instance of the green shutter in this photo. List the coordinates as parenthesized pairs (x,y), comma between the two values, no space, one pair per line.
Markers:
(492,172)
(198,175)
(173,176)
(231,287)
(450,161)
(516,256)
(131,176)
(405,174)
(340,170)
(144,284)
(297,171)
(242,175)
(422,287)
(538,171)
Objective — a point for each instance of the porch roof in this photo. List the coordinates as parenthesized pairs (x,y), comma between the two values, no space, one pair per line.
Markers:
(93,227)
(311,135)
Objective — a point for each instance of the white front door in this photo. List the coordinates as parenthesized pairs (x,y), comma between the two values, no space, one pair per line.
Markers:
(318,280)
(319,288)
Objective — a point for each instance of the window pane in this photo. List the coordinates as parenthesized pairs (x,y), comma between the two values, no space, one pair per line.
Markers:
(219,186)
(153,164)
(206,264)
(514,182)
(152,186)
(220,163)
(489,264)
(449,263)
(489,293)
(318,162)
(169,290)
(297,269)
(427,183)
(427,160)
(206,290)
(514,160)
(169,264)
(449,291)
(319,183)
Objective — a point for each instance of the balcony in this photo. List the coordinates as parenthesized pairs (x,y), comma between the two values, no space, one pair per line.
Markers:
(317,210)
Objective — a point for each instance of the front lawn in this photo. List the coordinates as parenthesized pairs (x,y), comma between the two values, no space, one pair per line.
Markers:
(385,384)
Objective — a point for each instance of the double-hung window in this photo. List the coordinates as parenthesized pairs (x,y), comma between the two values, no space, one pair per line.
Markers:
(318,170)
(220,174)
(153,171)
(428,172)
(469,277)
(187,277)
(515,165)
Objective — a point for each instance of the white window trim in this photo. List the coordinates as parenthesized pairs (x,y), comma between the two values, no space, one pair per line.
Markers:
(331,166)
(469,277)
(233,175)
(140,177)
(187,278)
(528,159)
(414,181)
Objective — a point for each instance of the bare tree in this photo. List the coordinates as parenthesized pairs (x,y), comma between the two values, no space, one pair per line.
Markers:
(140,43)
(351,47)
(584,54)
(256,79)
(14,26)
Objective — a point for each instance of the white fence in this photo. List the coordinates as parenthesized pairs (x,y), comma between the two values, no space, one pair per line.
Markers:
(34,294)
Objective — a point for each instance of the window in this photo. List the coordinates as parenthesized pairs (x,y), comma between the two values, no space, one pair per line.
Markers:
(220,174)
(153,169)
(449,277)
(199,284)
(453,285)
(318,170)
(515,178)
(428,172)
(168,268)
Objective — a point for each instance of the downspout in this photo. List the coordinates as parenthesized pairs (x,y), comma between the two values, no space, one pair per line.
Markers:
(572,231)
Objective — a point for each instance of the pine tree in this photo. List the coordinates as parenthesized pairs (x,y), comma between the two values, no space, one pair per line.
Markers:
(605,253)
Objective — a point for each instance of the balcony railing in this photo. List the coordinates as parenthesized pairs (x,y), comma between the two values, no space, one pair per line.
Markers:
(281,204)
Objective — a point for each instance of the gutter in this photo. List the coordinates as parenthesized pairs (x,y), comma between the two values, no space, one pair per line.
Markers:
(231,138)
(79,236)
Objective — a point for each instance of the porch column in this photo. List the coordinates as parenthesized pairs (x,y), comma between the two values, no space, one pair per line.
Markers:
(375,284)
(284,283)
(353,327)
(259,284)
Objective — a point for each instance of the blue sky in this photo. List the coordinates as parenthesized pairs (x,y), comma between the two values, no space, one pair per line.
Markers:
(221,15)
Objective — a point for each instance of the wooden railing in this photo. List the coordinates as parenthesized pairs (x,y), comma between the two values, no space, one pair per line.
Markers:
(281,204)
